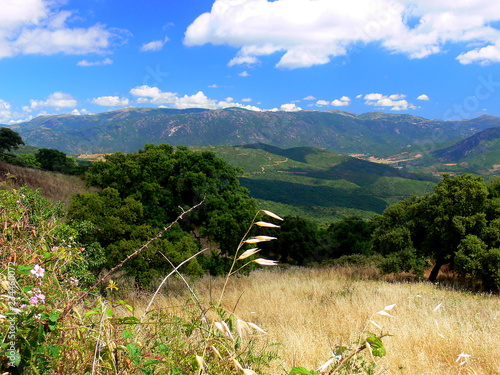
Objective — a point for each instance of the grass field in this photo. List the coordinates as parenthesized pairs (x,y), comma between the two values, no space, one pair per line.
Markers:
(311,311)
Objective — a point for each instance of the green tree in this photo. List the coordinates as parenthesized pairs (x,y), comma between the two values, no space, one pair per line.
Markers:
(351,235)
(164,178)
(435,226)
(296,243)
(9,139)
(145,191)
(55,160)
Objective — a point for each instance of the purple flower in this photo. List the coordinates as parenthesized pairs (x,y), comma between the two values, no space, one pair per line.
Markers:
(34,300)
(38,271)
(41,298)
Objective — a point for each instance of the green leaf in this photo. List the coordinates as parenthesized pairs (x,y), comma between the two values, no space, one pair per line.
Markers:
(377,346)
(23,270)
(127,334)
(54,316)
(301,370)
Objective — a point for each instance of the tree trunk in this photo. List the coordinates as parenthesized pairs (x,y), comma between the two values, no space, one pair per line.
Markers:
(435,270)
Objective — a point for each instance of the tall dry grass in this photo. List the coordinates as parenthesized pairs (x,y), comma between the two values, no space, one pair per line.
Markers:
(310,311)
(54,186)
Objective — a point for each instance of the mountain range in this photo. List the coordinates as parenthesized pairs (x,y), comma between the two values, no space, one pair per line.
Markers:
(370,134)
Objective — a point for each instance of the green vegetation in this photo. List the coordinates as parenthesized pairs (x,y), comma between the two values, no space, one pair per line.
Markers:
(142,192)
(458,225)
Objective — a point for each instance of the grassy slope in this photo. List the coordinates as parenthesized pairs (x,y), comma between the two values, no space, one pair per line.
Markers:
(318,184)
(55,186)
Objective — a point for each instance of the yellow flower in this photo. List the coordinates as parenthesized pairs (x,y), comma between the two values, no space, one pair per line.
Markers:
(112,285)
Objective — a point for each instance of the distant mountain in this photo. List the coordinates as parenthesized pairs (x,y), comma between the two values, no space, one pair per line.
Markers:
(479,153)
(480,143)
(127,130)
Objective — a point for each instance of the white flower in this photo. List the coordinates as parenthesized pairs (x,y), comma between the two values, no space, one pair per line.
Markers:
(38,271)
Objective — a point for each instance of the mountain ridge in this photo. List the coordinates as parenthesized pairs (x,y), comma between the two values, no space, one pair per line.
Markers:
(128,129)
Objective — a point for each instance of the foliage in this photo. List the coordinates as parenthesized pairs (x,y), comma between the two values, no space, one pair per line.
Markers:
(458,225)
(297,241)
(143,191)
(351,235)
(57,161)
(34,239)
(55,326)
(9,139)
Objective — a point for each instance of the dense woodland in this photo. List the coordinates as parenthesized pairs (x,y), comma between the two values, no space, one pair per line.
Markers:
(138,194)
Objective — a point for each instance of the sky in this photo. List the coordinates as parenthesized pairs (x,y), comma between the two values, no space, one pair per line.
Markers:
(438,59)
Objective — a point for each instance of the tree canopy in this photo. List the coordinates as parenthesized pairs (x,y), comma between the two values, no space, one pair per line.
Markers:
(9,139)
(458,225)
(146,190)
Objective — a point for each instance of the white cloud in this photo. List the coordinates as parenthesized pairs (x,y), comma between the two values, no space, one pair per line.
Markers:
(5,112)
(56,100)
(290,107)
(106,61)
(110,101)
(423,97)
(343,101)
(321,103)
(311,32)
(155,45)
(395,101)
(244,74)
(154,95)
(310,97)
(246,100)
(38,27)
(483,56)
(80,112)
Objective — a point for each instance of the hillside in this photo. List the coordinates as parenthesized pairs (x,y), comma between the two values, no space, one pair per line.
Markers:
(127,130)
(319,184)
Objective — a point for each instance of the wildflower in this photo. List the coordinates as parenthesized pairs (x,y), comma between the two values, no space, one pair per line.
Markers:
(38,271)
(112,285)
(41,298)
(74,281)
(34,300)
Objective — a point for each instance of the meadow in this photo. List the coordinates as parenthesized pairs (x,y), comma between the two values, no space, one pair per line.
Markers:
(311,311)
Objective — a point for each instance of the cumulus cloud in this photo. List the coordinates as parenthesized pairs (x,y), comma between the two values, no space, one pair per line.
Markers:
(321,103)
(56,100)
(310,97)
(343,101)
(38,27)
(5,112)
(311,32)
(423,97)
(396,102)
(153,95)
(110,101)
(106,61)
(155,45)
(290,107)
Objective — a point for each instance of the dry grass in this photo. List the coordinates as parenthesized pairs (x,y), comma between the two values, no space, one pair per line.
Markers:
(310,311)
(54,186)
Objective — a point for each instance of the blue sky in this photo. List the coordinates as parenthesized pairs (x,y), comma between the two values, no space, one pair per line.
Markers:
(437,59)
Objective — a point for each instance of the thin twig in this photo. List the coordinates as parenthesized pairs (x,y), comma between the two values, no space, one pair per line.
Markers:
(159,235)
